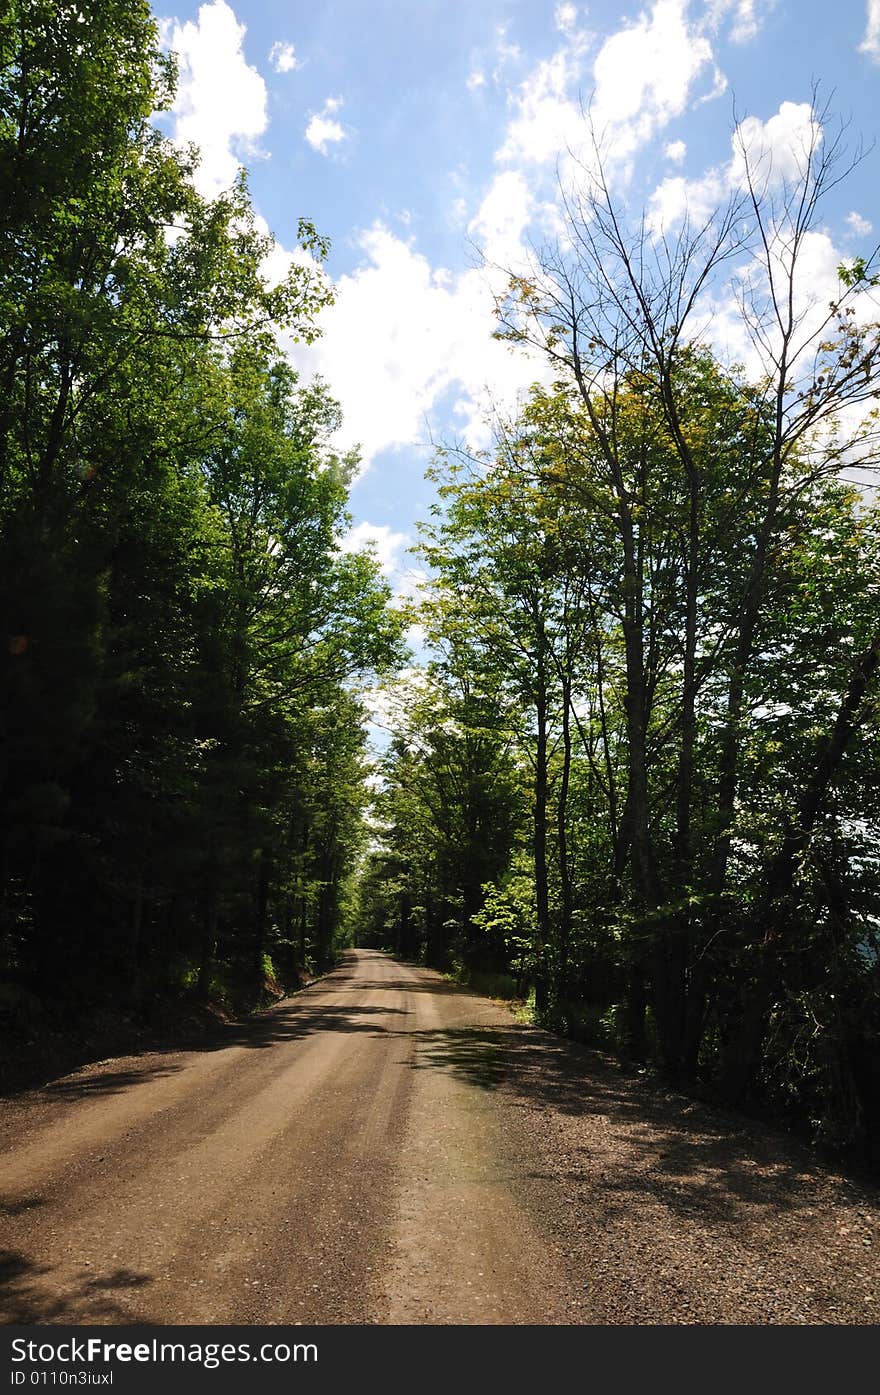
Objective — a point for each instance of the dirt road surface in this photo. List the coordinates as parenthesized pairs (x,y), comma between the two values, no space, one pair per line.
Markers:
(385,1148)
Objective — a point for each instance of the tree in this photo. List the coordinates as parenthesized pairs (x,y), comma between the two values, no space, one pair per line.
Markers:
(182,747)
(446,817)
(617,310)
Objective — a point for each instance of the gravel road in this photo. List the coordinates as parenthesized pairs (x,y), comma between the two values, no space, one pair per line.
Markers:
(385,1148)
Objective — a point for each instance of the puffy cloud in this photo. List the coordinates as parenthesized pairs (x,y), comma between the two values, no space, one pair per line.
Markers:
(324,130)
(378,538)
(817,282)
(492,61)
(677,198)
(221,99)
(283,57)
(645,72)
(408,581)
(547,119)
(402,335)
(506,53)
(643,75)
(769,152)
(675,151)
(275,267)
(871,42)
(860,226)
(502,219)
(775,150)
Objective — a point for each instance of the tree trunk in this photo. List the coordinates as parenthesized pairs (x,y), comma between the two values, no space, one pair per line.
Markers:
(542,895)
(565,881)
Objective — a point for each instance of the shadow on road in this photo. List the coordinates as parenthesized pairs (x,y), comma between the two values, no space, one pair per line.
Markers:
(701,1164)
(290,1022)
(404,985)
(91,1298)
(19,1205)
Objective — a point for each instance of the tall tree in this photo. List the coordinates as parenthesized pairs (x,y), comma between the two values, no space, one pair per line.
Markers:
(181,742)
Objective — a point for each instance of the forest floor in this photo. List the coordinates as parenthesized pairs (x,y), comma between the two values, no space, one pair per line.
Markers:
(388,1148)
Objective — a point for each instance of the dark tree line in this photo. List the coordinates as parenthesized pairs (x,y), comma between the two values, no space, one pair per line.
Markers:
(652,710)
(182,747)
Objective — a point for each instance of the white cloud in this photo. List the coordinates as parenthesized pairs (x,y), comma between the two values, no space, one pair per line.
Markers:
(565,17)
(871,42)
(492,61)
(746,16)
(408,581)
(324,130)
(548,118)
(746,25)
(778,149)
(417,638)
(815,285)
(860,226)
(644,73)
(283,57)
(733,321)
(769,152)
(675,151)
(502,219)
(221,99)
(643,76)
(402,335)
(275,267)
(676,198)
(381,540)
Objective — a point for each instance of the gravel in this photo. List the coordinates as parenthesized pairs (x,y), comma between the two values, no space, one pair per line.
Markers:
(666,1211)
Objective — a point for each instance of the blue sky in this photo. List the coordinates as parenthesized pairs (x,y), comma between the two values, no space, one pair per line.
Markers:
(413,132)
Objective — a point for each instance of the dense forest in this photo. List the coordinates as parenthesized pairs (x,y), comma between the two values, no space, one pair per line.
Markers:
(637,779)
(183,748)
(641,773)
